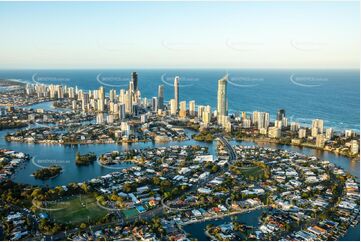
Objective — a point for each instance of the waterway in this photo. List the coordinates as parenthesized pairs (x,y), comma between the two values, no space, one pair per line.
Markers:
(197,229)
(64,156)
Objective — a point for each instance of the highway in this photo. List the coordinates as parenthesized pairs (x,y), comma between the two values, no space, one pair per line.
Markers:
(232,153)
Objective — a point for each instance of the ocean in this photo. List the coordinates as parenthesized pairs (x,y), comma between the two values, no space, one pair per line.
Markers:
(331,95)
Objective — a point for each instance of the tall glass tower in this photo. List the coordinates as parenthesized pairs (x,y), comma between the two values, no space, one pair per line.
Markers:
(160,96)
(134,78)
(176,92)
(222,109)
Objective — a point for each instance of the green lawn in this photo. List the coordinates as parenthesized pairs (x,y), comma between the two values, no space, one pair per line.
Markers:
(77,209)
(130,213)
(253,171)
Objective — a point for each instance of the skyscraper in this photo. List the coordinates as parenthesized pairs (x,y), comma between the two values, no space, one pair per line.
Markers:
(84,101)
(101,97)
(222,98)
(121,97)
(176,91)
(129,103)
(320,141)
(155,104)
(160,96)
(122,111)
(244,115)
(255,115)
(112,95)
(329,133)
(200,111)
(263,120)
(101,93)
(295,126)
(318,124)
(206,117)
(281,114)
(301,133)
(134,79)
(192,107)
(173,107)
(183,109)
(100,118)
(354,147)
(71,92)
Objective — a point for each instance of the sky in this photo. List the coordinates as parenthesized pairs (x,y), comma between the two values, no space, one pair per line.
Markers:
(46,35)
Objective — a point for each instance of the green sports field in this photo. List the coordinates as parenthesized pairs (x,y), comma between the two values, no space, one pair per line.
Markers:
(253,171)
(76,209)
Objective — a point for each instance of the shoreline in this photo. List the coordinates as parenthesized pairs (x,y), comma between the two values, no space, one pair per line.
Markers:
(52,177)
(255,140)
(224,215)
(94,142)
(270,141)
(129,162)
(24,105)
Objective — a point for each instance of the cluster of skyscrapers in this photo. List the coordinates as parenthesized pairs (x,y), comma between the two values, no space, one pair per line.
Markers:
(118,106)
(129,102)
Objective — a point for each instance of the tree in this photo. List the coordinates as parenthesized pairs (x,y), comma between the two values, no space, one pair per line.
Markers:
(156,180)
(128,187)
(82,226)
(165,184)
(85,187)
(36,193)
(100,199)
(77,155)
(214,169)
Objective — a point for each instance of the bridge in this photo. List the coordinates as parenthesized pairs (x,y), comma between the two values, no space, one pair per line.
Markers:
(232,153)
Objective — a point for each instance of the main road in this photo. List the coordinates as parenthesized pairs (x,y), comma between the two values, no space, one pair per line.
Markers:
(232,157)
(232,153)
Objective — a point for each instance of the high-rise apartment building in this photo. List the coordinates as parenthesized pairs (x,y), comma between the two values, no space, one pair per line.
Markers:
(183,109)
(222,109)
(160,96)
(176,91)
(192,108)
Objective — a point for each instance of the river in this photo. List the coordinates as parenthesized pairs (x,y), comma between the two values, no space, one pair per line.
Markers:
(197,229)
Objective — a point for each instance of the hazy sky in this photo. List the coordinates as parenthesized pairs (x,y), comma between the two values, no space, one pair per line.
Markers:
(179,35)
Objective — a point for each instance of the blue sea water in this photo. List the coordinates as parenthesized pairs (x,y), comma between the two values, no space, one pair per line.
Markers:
(332,95)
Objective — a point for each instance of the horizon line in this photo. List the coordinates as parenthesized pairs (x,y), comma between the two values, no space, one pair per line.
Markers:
(180,68)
